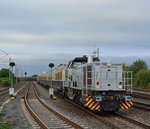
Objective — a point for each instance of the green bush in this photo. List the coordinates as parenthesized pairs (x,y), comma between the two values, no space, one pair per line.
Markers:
(5,82)
(142,78)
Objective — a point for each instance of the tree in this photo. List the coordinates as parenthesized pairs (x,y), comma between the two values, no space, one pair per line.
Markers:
(35,75)
(4,72)
(125,67)
(137,66)
(142,78)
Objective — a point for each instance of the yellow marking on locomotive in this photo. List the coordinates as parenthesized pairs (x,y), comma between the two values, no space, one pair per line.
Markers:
(89,102)
(127,104)
(98,107)
(94,106)
(91,105)
(88,98)
(131,102)
(124,105)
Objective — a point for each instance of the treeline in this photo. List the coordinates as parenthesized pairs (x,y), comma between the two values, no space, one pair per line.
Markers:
(4,77)
(141,74)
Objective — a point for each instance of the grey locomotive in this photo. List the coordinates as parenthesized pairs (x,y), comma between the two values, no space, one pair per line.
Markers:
(98,86)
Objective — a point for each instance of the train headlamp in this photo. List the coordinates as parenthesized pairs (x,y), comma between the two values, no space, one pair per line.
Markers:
(97,85)
(128,98)
(120,85)
(109,63)
(98,98)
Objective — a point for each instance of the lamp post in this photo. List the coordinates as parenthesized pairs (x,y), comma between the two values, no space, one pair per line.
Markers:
(51,90)
(11,89)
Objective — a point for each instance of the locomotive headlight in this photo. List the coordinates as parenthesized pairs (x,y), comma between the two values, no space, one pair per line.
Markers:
(97,85)
(120,85)
(98,98)
(128,98)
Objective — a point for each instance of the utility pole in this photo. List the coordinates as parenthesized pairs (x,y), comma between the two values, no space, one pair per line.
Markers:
(9,67)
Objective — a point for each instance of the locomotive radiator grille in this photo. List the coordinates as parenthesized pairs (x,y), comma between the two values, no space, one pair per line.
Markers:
(91,104)
(126,105)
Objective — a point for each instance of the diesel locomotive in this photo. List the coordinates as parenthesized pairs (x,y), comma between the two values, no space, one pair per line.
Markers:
(100,86)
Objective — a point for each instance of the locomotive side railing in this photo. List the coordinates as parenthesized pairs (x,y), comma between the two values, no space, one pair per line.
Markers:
(127,81)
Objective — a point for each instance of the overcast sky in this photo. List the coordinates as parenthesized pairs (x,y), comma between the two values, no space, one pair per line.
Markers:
(36,32)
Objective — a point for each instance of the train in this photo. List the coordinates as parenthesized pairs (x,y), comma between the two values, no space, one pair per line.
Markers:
(99,86)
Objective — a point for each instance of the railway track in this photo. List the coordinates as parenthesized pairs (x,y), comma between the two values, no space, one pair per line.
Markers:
(105,119)
(3,92)
(138,123)
(45,116)
(118,115)
(142,106)
(141,95)
(145,126)
(110,124)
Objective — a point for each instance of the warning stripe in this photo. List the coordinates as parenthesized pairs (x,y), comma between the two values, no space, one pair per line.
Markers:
(94,106)
(127,104)
(130,102)
(91,105)
(98,107)
(89,102)
(88,97)
(124,105)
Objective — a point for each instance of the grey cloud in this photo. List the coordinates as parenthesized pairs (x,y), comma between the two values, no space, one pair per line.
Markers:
(33,28)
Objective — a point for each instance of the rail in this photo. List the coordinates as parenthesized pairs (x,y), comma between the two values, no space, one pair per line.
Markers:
(142,106)
(35,117)
(133,121)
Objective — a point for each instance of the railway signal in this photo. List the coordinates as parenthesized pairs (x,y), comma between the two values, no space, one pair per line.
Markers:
(51,90)
(11,89)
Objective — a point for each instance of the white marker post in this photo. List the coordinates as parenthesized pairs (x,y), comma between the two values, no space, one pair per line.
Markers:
(11,92)
(51,92)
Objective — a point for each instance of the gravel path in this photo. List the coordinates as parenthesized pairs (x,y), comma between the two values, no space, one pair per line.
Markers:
(14,114)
